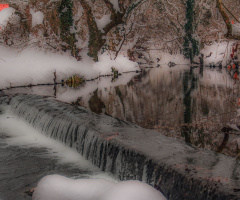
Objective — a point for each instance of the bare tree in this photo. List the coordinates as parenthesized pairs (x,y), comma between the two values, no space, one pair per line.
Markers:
(118,27)
(222,9)
(225,18)
(96,37)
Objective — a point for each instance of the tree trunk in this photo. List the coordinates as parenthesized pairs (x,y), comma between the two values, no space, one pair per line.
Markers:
(225,18)
(96,40)
(116,17)
(95,35)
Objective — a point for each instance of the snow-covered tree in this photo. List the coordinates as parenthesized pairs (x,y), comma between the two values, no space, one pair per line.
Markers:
(96,36)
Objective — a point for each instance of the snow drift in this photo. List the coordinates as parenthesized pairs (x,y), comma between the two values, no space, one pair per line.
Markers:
(5,15)
(56,187)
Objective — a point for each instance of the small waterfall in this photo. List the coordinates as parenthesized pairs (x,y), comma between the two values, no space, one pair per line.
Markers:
(82,130)
(103,140)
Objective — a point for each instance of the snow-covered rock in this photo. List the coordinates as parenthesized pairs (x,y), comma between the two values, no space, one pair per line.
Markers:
(133,190)
(5,15)
(101,23)
(37,17)
(56,187)
(236,29)
(32,66)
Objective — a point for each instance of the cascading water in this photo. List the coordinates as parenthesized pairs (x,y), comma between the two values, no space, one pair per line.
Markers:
(27,155)
(73,126)
(130,152)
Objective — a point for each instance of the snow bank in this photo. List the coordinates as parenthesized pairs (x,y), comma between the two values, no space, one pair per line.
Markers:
(133,190)
(56,187)
(216,53)
(5,15)
(115,5)
(122,64)
(37,17)
(164,58)
(32,66)
(101,23)
(213,54)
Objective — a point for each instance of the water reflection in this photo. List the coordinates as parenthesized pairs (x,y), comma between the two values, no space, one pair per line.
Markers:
(189,103)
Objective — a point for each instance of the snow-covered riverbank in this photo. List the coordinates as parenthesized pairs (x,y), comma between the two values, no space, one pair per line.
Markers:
(21,67)
(32,66)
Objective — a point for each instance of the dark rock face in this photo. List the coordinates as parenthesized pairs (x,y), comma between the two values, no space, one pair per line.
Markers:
(130,152)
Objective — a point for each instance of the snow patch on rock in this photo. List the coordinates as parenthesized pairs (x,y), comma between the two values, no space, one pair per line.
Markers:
(56,187)
(121,63)
(218,52)
(33,66)
(37,17)
(115,5)
(101,23)
(5,16)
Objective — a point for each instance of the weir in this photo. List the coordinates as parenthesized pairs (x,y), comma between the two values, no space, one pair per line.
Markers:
(128,151)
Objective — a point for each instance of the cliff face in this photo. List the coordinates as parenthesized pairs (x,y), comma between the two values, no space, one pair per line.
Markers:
(114,26)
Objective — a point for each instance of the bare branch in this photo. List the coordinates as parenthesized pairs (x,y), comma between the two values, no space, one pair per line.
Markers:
(225,18)
(124,38)
(116,17)
(110,6)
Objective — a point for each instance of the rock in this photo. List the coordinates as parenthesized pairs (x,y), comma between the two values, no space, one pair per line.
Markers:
(171,64)
(56,187)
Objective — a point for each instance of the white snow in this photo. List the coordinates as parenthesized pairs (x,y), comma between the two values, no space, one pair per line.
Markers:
(55,187)
(33,66)
(5,15)
(37,17)
(213,54)
(121,63)
(101,23)
(115,5)
(165,58)
(236,29)
(217,52)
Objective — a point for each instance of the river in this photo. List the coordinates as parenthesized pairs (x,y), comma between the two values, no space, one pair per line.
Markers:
(188,103)
(183,102)
(27,156)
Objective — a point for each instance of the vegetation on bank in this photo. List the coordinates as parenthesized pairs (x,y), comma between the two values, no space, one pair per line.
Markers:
(130,26)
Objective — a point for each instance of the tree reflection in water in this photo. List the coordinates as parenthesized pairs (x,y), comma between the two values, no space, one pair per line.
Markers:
(189,103)
(184,102)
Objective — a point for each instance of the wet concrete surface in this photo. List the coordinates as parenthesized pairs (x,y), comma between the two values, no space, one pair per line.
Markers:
(177,169)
